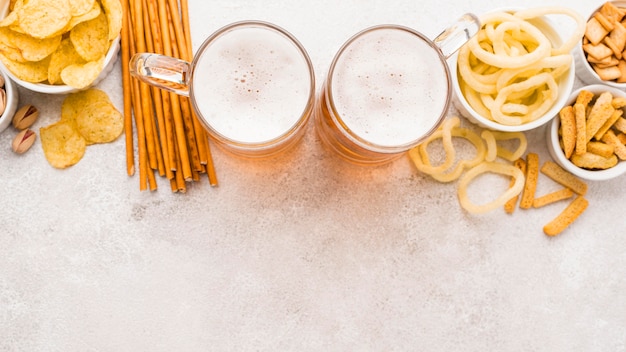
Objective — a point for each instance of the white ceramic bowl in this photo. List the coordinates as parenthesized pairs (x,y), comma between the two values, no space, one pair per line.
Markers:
(12,98)
(552,137)
(584,71)
(109,62)
(565,82)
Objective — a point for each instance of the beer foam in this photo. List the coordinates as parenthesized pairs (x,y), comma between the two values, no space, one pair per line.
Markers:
(251,84)
(390,87)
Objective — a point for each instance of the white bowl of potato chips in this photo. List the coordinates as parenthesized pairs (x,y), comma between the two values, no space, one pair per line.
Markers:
(588,136)
(600,54)
(517,72)
(59,46)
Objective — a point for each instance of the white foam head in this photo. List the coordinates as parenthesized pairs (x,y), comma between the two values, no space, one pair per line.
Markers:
(251,84)
(389,86)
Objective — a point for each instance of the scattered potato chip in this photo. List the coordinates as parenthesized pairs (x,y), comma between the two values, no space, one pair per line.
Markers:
(75,102)
(87,117)
(99,123)
(62,145)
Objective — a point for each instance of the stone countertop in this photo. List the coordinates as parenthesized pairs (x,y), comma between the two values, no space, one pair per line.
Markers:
(301,253)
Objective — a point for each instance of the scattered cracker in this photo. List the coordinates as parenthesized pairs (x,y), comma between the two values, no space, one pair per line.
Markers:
(566,217)
(553,197)
(564,178)
(530,184)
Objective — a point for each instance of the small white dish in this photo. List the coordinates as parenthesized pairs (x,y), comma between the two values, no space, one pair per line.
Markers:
(557,153)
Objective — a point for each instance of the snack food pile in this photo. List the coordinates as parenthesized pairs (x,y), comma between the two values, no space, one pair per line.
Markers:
(593,131)
(87,117)
(605,41)
(59,41)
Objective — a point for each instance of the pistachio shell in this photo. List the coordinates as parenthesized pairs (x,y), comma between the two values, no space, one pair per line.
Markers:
(25,117)
(3,101)
(23,141)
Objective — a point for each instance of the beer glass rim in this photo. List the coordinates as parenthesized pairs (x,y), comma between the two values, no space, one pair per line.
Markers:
(305,112)
(330,99)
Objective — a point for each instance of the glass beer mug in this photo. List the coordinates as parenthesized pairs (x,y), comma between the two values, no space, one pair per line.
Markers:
(387,89)
(251,84)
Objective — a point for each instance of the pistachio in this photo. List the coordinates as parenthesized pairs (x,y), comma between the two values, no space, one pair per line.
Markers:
(23,141)
(3,100)
(25,117)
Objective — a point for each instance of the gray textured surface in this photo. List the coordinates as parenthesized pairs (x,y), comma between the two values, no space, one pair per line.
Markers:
(302,253)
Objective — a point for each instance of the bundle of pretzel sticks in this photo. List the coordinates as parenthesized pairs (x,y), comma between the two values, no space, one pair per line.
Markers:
(170,139)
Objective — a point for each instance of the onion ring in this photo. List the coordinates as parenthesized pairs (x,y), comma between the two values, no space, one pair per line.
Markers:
(492,167)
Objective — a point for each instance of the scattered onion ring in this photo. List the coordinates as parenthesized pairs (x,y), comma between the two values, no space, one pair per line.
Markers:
(493,167)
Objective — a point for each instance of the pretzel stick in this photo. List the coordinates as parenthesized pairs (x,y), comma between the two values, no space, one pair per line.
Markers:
(183,102)
(206,157)
(141,135)
(156,97)
(128,108)
(153,41)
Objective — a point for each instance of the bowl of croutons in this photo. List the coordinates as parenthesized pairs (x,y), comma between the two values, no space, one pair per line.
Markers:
(588,136)
(601,54)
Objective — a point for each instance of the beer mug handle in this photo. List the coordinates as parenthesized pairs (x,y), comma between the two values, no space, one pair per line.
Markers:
(453,38)
(162,71)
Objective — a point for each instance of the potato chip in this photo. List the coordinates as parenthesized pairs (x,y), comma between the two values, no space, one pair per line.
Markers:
(32,49)
(90,38)
(113,10)
(11,53)
(44,18)
(62,145)
(12,18)
(80,76)
(80,7)
(76,102)
(28,71)
(64,56)
(95,11)
(99,122)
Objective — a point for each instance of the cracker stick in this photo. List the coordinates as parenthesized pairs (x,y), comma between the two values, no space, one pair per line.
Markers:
(620,125)
(607,125)
(584,97)
(594,161)
(568,129)
(581,128)
(601,111)
(566,217)
(611,139)
(558,174)
(600,148)
(530,185)
(553,197)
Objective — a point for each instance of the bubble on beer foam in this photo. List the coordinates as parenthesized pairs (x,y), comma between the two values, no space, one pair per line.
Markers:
(251,85)
(389,87)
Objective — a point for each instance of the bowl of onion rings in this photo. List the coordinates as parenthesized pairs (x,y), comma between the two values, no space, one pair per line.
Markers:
(518,71)
(588,136)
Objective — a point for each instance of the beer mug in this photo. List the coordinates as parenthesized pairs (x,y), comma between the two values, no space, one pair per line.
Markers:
(251,84)
(387,89)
